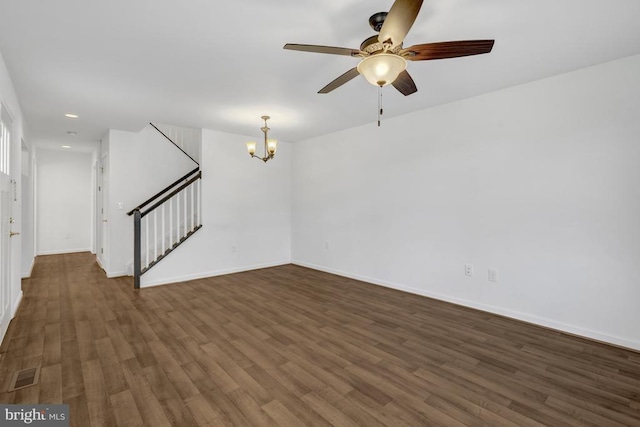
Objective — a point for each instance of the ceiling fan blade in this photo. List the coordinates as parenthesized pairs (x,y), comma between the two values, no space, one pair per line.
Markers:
(399,20)
(405,84)
(352,73)
(322,49)
(454,49)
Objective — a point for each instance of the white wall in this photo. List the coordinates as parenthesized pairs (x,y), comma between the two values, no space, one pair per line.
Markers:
(64,201)
(539,182)
(140,165)
(246,211)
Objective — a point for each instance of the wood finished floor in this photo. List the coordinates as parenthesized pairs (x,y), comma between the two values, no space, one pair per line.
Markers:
(292,347)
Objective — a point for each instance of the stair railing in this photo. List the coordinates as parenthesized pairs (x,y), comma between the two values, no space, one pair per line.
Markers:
(164,221)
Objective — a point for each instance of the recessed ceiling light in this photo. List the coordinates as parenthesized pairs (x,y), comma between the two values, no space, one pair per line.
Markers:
(71,115)
(72,133)
(65,146)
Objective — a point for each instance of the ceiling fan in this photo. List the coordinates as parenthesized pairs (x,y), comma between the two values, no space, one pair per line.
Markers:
(384,60)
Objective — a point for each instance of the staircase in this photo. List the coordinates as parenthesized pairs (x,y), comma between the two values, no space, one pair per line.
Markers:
(167,219)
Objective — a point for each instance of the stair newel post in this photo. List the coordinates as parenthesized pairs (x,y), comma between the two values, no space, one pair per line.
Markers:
(137,268)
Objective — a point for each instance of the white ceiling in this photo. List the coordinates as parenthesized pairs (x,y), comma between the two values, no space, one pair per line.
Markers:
(120,64)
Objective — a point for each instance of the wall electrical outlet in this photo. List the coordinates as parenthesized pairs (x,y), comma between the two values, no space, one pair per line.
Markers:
(326,245)
(234,249)
(468,270)
(493,275)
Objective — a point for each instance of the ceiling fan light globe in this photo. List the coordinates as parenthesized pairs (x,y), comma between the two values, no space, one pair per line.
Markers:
(382,69)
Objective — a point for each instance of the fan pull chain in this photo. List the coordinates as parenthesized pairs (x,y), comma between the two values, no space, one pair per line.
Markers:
(379,104)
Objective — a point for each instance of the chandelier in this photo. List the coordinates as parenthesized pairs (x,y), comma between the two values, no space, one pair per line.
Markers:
(270,145)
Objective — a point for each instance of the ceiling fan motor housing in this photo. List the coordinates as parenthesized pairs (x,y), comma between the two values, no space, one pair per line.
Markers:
(372,45)
(376,20)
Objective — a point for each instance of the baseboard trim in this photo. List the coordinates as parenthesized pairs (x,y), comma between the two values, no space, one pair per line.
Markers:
(30,269)
(3,331)
(116,274)
(500,311)
(16,305)
(6,322)
(203,275)
(64,251)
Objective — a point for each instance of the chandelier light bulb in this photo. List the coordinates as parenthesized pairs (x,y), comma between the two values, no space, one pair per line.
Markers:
(251,147)
(272,146)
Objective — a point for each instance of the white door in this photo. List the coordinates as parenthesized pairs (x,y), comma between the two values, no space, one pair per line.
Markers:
(5,224)
(5,254)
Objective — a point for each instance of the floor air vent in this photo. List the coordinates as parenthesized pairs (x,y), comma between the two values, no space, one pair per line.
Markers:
(24,378)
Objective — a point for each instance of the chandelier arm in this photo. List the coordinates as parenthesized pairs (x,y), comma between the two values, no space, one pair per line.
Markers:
(264,159)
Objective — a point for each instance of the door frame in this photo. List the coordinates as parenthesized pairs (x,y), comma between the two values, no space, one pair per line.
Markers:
(101,224)
(7,188)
